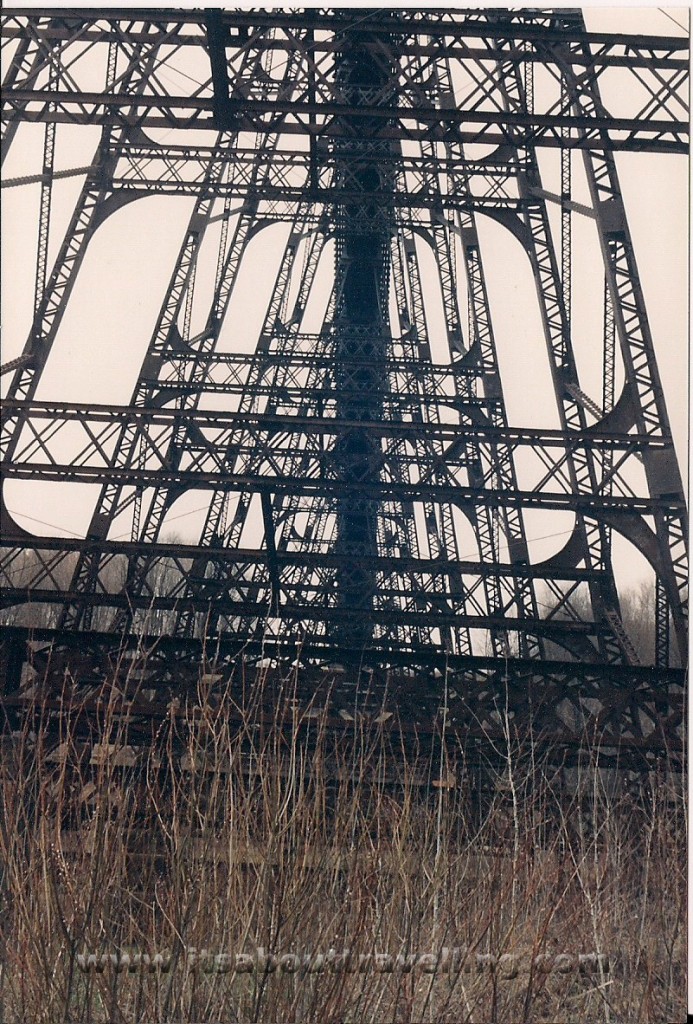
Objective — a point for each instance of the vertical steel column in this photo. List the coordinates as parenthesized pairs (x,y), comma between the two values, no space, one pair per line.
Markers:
(637,348)
(614,643)
(608,398)
(497,460)
(363,230)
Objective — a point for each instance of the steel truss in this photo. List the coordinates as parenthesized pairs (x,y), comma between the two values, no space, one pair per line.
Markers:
(351,455)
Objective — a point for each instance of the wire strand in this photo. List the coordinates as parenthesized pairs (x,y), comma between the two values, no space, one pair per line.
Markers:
(678,23)
(202,508)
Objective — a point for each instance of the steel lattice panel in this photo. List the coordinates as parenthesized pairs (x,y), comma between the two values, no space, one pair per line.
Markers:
(359,456)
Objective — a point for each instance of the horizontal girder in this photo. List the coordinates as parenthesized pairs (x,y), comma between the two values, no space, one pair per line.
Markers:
(557,704)
(312,39)
(277,117)
(261,607)
(234,558)
(235,451)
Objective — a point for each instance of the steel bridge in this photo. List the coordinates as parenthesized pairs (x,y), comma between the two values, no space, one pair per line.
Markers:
(344,461)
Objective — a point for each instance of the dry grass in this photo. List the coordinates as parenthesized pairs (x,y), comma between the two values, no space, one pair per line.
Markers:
(231,839)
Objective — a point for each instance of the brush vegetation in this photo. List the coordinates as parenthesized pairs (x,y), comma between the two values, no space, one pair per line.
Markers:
(234,838)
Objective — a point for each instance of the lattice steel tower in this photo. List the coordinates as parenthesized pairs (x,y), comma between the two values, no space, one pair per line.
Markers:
(347,462)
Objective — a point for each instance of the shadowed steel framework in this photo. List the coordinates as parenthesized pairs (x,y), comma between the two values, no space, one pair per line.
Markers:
(377,138)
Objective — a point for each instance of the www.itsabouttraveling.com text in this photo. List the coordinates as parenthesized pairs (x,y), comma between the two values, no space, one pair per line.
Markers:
(448,961)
